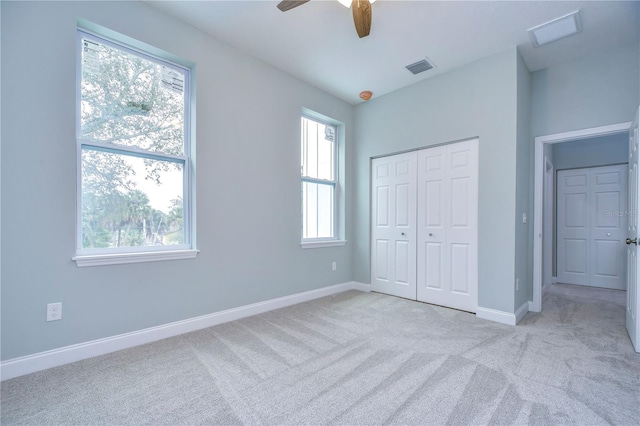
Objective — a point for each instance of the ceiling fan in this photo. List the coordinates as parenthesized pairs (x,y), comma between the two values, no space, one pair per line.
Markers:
(361,12)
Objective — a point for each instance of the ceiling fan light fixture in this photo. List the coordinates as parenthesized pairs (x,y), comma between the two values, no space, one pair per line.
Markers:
(361,12)
(556,29)
(347,3)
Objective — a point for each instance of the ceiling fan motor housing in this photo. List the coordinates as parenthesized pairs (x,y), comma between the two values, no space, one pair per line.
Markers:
(361,10)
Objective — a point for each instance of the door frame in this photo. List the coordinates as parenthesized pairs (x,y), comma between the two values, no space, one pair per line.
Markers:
(539,143)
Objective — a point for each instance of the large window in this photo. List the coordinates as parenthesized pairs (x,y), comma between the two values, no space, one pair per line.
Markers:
(319,180)
(133,151)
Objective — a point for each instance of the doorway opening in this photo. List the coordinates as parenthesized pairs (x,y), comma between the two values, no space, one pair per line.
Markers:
(544,170)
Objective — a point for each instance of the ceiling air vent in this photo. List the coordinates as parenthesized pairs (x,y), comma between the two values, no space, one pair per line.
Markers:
(419,66)
(556,29)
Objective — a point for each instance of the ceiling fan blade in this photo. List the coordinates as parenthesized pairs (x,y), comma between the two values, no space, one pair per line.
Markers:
(285,5)
(361,16)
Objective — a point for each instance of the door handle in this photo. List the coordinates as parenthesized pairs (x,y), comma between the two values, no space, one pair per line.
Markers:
(630,241)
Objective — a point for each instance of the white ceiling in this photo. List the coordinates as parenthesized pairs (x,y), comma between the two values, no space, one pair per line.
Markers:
(317,42)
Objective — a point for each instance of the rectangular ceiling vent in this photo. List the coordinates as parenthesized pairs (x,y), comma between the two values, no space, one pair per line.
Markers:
(556,29)
(420,66)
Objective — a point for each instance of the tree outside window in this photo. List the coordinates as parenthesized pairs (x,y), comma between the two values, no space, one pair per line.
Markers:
(133,146)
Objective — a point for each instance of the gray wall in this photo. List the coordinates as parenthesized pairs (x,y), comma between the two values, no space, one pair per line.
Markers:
(476,100)
(595,90)
(248,191)
(592,152)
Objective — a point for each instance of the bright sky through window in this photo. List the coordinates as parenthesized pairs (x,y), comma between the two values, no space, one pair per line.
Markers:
(318,179)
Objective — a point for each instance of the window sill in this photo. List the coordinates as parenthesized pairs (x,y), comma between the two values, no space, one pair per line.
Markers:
(319,244)
(121,258)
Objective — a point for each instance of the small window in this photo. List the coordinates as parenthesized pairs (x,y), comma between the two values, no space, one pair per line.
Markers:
(319,180)
(133,151)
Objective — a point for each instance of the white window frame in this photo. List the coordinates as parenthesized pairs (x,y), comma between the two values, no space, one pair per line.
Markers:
(121,255)
(335,240)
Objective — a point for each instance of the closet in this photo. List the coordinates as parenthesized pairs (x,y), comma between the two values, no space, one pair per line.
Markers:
(424,217)
(592,225)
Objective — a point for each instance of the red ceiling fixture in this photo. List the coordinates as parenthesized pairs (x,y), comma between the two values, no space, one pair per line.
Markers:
(366,95)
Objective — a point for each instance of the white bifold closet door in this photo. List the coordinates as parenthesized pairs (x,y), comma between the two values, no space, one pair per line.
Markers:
(393,240)
(448,225)
(591,226)
(424,243)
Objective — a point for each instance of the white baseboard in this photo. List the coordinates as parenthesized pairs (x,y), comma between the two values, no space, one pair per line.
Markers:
(501,316)
(362,287)
(522,311)
(41,361)
(496,316)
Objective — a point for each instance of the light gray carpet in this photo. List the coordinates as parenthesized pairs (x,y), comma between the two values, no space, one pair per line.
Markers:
(358,358)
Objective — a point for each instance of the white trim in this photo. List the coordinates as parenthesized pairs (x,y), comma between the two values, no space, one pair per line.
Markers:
(584,133)
(540,141)
(132,151)
(362,287)
(319,244)
(522,311)
(120,258)
(41,361)
(496,316)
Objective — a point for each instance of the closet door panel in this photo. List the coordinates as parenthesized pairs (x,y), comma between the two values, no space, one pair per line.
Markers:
(609,215)
(393,230)
(433,261)
(455,204)
(433,274)
(460,268)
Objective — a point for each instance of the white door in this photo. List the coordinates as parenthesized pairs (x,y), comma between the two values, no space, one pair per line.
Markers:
(633,296)
(448,225)
(573,226)
(590,227)
(393,218)
(608,264)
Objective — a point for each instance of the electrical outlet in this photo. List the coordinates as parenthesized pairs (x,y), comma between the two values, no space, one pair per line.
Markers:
(517,284)
(54,311)
(524,218)
(334,265)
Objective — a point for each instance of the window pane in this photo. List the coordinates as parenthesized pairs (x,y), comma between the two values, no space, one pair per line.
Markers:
(310,210)
(130,201)
(130,100)
(325,211)
(318,148)
(317,217)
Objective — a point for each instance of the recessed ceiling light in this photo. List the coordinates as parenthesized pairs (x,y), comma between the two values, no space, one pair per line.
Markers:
(556,29)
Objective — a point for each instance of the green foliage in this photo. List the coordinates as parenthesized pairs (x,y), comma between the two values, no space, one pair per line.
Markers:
(125,103)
